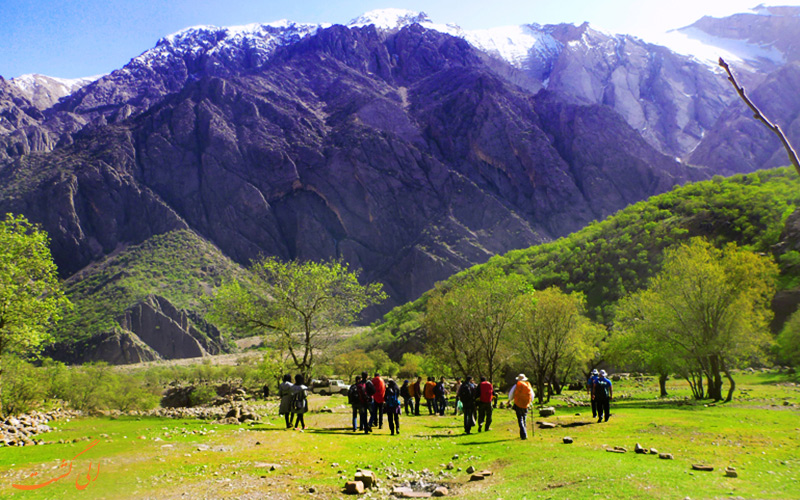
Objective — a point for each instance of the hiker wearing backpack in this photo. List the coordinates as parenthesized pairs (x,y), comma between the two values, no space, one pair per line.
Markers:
(522,396)
(299,401)
(440,395)
(378,401)
(602,394)
(416,391)
(456,390)
(285,393)
(428,393)
(405,393)
(485,397)
(466,394)
(355,403)
(590,388)
(365,391)
(392,402)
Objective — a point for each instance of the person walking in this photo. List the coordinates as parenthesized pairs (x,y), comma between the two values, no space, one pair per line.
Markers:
(405,393)
(299,401)
(416,387)
(364,401)
(378,401)
(440,395)
(485,397)
(355,403)
(456,389)
(392,402)
(285,393)
(602,394)
(466,395)
(522,395)
(590,388)
(428,393)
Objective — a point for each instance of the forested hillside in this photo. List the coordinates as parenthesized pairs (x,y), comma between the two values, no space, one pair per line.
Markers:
(608,259)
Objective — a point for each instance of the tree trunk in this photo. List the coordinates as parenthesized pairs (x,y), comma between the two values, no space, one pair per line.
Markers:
(662,384)
(714,379)
(732,386)
(1,389)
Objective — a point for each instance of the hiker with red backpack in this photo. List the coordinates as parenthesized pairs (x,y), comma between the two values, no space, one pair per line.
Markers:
(377,401)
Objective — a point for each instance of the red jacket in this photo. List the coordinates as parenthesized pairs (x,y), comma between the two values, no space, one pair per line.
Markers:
(380,390)
(485,391)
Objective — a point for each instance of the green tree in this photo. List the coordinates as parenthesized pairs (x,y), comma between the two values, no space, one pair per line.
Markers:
(788,345)
(31,297)
(710,305)
(468,324)
(348,364)
(554,336)
(302,303)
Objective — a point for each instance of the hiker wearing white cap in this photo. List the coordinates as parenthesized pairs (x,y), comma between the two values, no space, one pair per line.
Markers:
(522,395)
(590,387)
(602,393)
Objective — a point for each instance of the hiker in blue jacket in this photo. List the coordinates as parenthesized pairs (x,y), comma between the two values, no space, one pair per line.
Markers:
(590,387)
(602,394)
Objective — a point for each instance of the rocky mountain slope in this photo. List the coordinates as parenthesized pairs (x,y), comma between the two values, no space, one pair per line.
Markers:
(409,149)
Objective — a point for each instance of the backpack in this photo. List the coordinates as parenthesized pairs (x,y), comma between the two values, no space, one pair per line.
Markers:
(404,391)
(352,395)
(438,389)
(391,399)
(299,401)
(370,387)
(361,391)
(602,388)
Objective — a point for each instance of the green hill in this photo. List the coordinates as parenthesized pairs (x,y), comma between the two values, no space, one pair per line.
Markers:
(608,259)
(179,266)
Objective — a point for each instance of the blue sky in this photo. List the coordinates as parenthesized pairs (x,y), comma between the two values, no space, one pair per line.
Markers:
(76,38)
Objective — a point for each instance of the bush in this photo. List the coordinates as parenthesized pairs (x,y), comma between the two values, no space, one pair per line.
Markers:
(22,389)
(202,395)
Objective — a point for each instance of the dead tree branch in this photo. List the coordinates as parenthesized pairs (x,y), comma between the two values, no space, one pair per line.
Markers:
(758,115)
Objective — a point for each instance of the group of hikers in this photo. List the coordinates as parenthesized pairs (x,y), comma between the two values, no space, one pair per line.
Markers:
(373,398)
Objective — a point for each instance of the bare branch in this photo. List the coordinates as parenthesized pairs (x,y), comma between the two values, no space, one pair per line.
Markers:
(758,115)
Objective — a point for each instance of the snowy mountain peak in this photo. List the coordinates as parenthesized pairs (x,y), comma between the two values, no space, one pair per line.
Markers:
(44,91)
(389,19)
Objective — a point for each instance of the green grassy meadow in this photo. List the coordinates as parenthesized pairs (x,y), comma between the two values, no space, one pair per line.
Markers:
(757,434)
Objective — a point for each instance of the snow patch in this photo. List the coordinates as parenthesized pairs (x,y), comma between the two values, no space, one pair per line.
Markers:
(708,48)
(389,19)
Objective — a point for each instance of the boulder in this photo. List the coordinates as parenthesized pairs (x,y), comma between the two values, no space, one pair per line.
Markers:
(547,425)
(703,467)
(567,440)
(441,491)
(731,472)
(665,456)
(367,477)
(548,411)
(639,449)
(354,487)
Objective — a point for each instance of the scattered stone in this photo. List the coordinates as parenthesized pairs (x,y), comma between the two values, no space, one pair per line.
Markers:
(731,472)
(617,449)
(470,469)
(567,440)
(367,478)
(639,449)
(450,466)
(477,477)
(547,425)
(354,488)
(441,491)
(312,490)
(702,467)
(455,457)
(548,411)
(653,451)
(666,456)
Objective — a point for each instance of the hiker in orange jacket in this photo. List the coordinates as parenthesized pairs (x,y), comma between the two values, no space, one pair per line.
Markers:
(522,395)
(427,391)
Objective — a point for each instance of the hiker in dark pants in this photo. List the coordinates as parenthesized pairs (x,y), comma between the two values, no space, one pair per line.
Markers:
(285,392)
(602,394)
(485,397)
(590,388)
(355,403)
(429,396)
(522,396)
(365,400)
(392,403)
(466,395)
(416,392)
(407,401)
(440,397)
